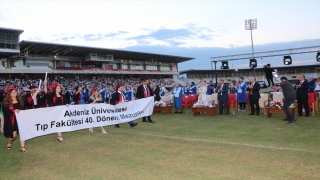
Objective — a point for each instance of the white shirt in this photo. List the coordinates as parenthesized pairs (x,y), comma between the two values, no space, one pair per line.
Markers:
(123,97)
(145,88)
(34,100)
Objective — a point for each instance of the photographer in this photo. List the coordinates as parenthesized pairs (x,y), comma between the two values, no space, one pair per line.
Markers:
(269,75)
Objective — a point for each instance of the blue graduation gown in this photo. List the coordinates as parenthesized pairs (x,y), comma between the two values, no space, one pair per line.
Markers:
(129,95)
(186,91)
(241,93)
(103,95)
(193,90)
(162,91)
(209,92)
(177,102)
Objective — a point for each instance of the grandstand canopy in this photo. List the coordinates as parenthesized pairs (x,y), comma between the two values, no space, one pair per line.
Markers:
(81,51)
(11,31)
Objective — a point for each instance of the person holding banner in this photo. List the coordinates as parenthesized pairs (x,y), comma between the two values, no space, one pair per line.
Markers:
(56,99)
(11,105)
(177,98)
(119,97)
(94,99)
(144,91)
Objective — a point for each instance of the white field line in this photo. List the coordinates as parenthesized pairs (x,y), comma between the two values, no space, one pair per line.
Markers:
(222,142)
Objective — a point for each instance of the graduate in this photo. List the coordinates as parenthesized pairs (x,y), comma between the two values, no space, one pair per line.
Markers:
(94,99)
(129,93)
(187,89)
(32,100)
(145,91)
(119,97)
(12,104)
(56,98)
(103,93)
(193,88)
(79,97)
(177,98)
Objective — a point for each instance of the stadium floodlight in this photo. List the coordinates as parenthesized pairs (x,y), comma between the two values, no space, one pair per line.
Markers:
(287,60)
(318,56)
(224,65)
(253,63)
(251,24)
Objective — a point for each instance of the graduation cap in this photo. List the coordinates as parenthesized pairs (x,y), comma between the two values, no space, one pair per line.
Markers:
(32,87)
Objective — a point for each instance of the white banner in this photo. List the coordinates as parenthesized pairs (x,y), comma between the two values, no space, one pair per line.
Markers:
(38,122)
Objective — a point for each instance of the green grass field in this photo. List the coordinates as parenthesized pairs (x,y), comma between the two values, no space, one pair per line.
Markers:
(175,147)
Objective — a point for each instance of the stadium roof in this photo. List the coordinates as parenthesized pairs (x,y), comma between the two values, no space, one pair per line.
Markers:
(11,31)
(81,51)
(210,71)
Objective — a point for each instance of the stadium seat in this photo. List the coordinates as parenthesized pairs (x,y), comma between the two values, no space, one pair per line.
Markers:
(186,103)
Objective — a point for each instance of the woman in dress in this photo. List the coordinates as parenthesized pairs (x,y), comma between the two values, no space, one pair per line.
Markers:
(56,99)
(12,104)
(202,91)
(94,99)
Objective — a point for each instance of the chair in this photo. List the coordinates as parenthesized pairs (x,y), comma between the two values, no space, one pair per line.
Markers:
(187,102)
(263,102)
(277,96)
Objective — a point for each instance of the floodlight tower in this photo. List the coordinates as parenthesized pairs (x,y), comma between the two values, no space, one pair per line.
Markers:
(251,24)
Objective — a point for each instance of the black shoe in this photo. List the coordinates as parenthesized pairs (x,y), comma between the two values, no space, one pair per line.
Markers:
(179,112)
(144,121)
(307,115)
(151,122)
(176,112)
(133,125)
(258,114)
(227,113)
(300,115)
(293,120)
(250,114)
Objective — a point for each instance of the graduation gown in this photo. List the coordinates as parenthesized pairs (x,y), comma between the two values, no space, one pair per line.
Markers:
(10,121)
(177,97)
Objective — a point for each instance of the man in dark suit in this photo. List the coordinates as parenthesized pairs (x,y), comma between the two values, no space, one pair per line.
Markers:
(156,91)
(302,95)
(254,96)
(144,91)
(223,97)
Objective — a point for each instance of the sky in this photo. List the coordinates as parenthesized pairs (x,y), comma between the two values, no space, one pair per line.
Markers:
(198,28)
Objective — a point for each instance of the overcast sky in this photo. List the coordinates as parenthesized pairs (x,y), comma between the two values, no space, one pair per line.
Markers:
(175,27)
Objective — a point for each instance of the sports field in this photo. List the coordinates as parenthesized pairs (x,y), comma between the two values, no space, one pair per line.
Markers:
(175,147)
